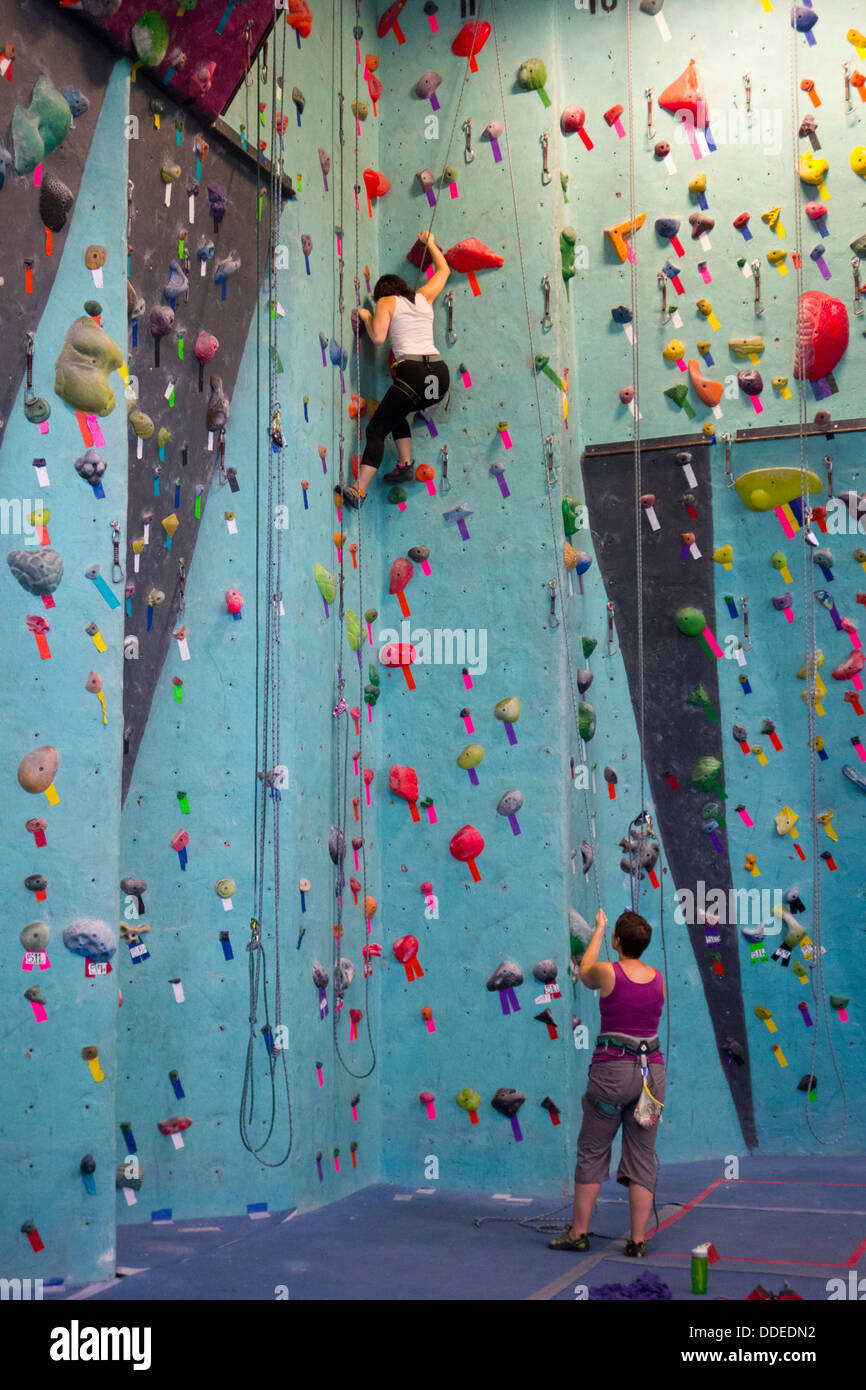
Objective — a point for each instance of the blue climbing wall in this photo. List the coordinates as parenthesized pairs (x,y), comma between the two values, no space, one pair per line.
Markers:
(485,605)
(54,1111)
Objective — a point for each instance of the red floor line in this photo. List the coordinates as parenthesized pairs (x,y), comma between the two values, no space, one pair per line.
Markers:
(689,1205)
(791,1182)
(757,1260)
(857,1254)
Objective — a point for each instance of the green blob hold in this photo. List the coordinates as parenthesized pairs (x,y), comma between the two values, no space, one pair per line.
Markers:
(508,710)
(698,697)
(150,38)
(472,755)
(449,174)
(397,494)
(52,113)
(589,645)
(81,371)
(163,437)
(141,423)
(371,694)
(586,721)
(567,243)
(327,583)
(354,632)
(705,776)
(92,308)
(569,515)
(678,394)
(373,675)
(690,621)
(468,1099)
(563,179)
(794,937)
(370,615)
(778,561)
(36,410)
(27,145)
(532,75)
(839,1001)
(575,945)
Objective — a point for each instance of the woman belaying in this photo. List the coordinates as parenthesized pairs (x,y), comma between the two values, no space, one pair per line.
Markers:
(421,378)
(626,1082)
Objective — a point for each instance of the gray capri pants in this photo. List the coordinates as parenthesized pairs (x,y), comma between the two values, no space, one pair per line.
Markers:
(618,1082)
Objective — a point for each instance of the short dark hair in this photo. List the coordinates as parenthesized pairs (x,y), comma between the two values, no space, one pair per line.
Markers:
(393,284)
(634,932)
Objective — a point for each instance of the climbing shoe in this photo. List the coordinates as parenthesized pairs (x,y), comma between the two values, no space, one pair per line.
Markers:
(569,1242)
(635,1248)
(349,496)
(403,473)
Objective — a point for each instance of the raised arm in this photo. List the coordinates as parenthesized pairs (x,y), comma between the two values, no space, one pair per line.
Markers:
(436,284)
(593,972)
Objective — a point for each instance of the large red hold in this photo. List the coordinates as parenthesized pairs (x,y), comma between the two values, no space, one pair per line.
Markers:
(300,18)
(403,781)
(466,846)
(686,93)
(175,1125)
(822,335)
(389,21)
(471,255)
(470,41)
(405,947)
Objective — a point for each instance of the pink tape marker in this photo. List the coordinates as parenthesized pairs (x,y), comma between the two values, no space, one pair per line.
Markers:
(506,437)
(784,522)
(98,436)
(677,284)
(679,249)
(467,679)
(465,377)
(843,1014)
(428,1017)
(744,816)
(40,1015)
(693,139)
(37,176)
(619,128)
(319,1073)
(704,272)
(427,1098)
(681,364)
(431,814)
(756,402)
(712,643)
(434,23)
(452,189)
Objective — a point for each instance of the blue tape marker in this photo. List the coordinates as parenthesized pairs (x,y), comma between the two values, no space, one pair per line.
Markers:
(745,687)
(162,1217)
(711,144)
(822,754)
(732,608)
(177,494)
(99,491)
(178,132)
(130,1141)
(156,484)
(256,1208)
(227,14)
(223,295)
(149,616)
(227,949)
(702,202)
(708,358)
(168,76)
(106,593)
(178,1089)
(797,508)
(135,332)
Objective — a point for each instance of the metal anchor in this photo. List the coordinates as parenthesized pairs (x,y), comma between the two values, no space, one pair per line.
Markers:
(545,172)
(468,152)
(650,133)
(547,321)
(663,286)
(756,271)
(855,267)
(747,641)
(449,304)
(116,567)
(444,480)
(729,477)
(553,621)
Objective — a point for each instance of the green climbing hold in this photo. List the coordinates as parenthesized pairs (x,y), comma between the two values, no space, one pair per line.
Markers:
(563,179)
(690,621)
(354,632)
(705,776)
(92,308)
(839,1001)
(141,424)
(794,937)
(27,146)
(150,38)
(52,113)
(567,244)
(81,371)
(327,583)
(397,494)
(532,77)
(679,394)
(585,721)
(468,1099)
(370,615)
(449,175)
(569,515)
(508,710)
(163,437)
(472,755)
(589,645)
(699,697)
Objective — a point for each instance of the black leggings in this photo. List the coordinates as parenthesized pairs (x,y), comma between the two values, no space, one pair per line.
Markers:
(417,386)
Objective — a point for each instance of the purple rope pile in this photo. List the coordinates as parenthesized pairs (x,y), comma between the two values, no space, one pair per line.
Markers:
(646,1286)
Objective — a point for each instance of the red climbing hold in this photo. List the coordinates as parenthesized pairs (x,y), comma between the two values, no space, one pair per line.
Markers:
(822,335)
(471,255)
(300,18)
(470,41)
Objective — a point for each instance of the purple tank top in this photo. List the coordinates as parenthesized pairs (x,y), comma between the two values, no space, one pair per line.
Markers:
(631,1008)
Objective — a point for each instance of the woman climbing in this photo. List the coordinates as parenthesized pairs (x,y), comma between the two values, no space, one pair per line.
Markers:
(421,378)
(626,1083)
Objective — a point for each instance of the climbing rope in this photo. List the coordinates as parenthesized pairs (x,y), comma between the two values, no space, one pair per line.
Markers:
(268,688)
(817,985)
(572,687)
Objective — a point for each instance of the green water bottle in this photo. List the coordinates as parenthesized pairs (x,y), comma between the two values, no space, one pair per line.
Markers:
(700,1263)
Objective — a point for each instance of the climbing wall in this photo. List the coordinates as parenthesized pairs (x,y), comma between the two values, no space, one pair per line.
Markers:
(62,676)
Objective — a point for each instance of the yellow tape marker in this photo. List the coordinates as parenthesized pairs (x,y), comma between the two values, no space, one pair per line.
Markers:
(780,1056)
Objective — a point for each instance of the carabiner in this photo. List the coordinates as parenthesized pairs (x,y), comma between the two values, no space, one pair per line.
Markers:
(545,172)
(116,567)
(468,152)
(547,321)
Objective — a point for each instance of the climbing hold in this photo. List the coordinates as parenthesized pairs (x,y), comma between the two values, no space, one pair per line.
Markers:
(426,87)
(706,774)
(466,845)
(471,255)
(326,583)
(617,234)
(81,371)
(470,41)
(763,489)
(822,335)
(567,244)
(508,805)
(37,571)
(506,976)
(55,202)
(803,18)
(586,721)
(686,96)
(532,77)
(710,392)
(858,160)
(90,937)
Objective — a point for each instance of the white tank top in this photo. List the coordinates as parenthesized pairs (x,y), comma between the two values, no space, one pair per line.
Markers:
(411,330)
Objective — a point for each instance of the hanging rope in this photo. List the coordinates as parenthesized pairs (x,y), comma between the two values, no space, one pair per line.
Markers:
(268,689)
(816,978)
(572,684)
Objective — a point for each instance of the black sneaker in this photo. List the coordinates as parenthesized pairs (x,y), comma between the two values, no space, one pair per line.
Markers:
(349,496)
(403,473)
(636,1249)
(569,1242)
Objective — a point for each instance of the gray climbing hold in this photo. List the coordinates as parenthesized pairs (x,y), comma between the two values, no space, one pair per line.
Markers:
(90,937)
(506,975)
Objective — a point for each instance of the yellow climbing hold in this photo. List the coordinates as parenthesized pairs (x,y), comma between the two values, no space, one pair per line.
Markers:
(762,489)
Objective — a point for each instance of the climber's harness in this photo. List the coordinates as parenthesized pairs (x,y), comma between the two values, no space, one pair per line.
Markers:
(638,1048)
